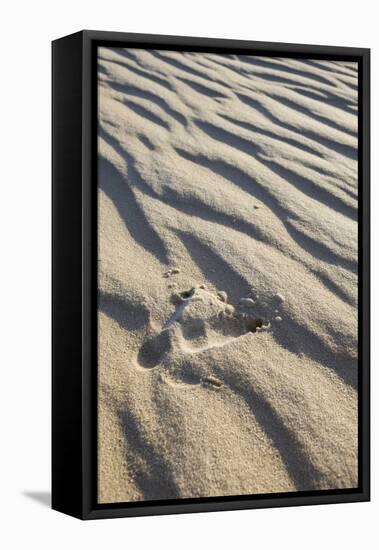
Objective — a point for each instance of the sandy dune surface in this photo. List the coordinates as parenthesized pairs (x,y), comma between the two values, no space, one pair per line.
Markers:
(227,275)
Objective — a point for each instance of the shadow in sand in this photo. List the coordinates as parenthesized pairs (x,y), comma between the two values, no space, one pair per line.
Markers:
(130,90)
(128,314)
(120,190)
(259,192)
(215,268)
(328,142)
(298,464)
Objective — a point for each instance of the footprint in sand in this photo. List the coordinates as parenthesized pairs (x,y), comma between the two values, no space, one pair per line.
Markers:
(202,320)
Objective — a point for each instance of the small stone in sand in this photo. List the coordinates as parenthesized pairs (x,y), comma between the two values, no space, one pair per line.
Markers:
(229,309)
(222,295)
(256,206)
(203,287)
(170,272)
(212,381)
(278,318)
(279,298)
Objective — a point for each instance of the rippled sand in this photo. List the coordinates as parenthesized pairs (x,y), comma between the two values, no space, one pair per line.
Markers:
(227,275)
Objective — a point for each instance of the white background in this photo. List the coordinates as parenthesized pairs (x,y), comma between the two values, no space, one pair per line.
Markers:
(27,29)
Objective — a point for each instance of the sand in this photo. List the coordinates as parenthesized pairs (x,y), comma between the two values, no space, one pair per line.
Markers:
(227,275)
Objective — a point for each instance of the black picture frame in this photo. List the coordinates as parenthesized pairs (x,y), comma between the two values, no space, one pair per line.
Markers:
(74,314)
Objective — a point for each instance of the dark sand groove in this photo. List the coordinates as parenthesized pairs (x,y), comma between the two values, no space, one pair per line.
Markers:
(300,468)
(253,61)
(214,267)
(294,141)
(118,190)
(177,64)
(343,149)
(140,72)
(310,188)
(145,113)
(305,185)
(153,474)
(327,98)
(260,192)
(201,88)
(148,95)
(308,112)
(129,314)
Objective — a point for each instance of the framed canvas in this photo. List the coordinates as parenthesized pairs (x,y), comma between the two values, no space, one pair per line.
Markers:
(210,275)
